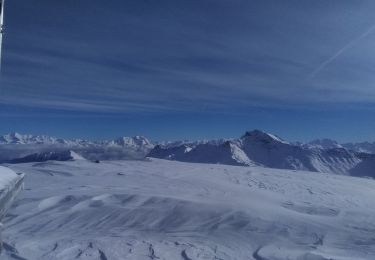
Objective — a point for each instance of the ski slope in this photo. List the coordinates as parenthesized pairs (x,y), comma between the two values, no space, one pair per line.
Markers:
(171,210)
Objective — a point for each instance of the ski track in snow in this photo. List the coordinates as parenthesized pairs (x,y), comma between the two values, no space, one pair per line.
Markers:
(172,210)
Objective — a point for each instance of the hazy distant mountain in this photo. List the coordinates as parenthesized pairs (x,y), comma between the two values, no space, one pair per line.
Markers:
(324,144)
(136,142)
(366,167)
(15,148)
(365,147)
(16,138)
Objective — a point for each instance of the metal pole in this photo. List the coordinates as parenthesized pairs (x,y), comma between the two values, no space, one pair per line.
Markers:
(1,27)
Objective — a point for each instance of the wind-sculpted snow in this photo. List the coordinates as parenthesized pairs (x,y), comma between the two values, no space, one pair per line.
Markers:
(172,210)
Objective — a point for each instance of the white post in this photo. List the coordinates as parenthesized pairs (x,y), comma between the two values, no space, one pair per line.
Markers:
(1,27)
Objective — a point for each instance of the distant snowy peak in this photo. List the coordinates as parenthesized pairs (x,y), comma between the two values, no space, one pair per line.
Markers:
(261,148)
(16,138)
(136,142)
(17,148)
(171,144)
(324,144)
(260,136)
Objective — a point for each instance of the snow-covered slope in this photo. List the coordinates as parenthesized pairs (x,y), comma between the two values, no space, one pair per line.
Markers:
(63,155)
(276,153)
(260,148)
(222,152)
(178,211)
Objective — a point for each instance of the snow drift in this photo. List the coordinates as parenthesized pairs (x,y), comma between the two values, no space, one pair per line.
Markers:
(172,210)
(10,184)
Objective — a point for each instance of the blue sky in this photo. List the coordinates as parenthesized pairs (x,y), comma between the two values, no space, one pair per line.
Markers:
(189,69)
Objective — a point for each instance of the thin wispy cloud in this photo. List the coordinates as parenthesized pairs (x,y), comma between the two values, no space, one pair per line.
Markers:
(169,56)
(344,49)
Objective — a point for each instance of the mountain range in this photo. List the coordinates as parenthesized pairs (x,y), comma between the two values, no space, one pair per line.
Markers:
(136,142)
(253,148)
(259,148)
(17,147)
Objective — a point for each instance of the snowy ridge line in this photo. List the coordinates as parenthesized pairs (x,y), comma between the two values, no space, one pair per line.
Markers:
(17,148)
(264,149)
(141,141)
(253,148)
(16,139)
